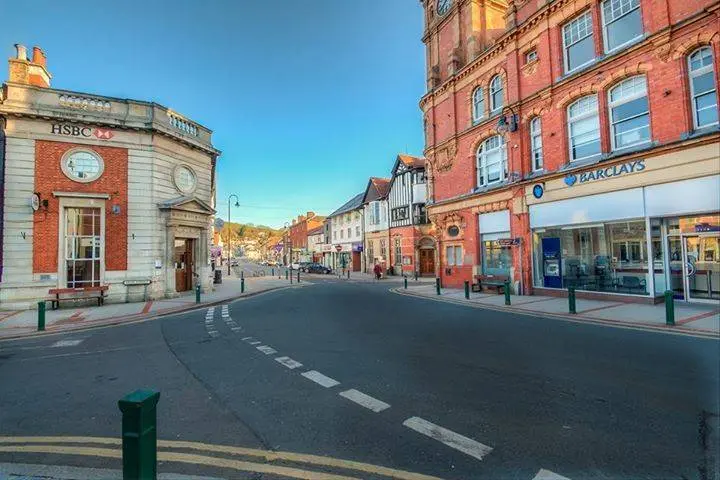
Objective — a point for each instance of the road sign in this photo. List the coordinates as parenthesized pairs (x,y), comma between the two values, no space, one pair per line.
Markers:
(219,223)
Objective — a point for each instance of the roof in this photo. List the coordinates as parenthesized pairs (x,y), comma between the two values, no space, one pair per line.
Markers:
(410,161)
(353,204)
(316,231)
(377,188)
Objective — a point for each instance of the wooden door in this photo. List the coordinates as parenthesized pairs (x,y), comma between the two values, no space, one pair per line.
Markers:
(184,264)
(427,262)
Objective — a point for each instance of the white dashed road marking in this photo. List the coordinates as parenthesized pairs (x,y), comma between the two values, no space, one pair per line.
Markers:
(320,379)
(266,349)
(66,343)
(247,339)
(548,475)
(255,343)
(365,400)
(448,437)
(288,362)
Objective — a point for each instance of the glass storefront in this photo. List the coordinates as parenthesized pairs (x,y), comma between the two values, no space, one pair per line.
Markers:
(604,257)
(496,259)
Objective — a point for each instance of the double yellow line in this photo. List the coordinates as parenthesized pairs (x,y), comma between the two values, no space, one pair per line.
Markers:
(111,448)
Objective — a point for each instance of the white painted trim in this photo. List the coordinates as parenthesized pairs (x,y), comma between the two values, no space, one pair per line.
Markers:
(105,196)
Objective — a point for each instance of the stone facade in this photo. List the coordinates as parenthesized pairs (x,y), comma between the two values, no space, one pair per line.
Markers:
(143,201)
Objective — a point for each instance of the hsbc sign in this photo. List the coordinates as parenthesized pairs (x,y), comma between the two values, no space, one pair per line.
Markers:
(81,131)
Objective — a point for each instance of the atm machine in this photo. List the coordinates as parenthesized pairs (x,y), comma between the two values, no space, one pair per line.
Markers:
(551,262)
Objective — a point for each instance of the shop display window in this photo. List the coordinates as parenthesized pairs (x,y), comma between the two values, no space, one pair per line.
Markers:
(610,257)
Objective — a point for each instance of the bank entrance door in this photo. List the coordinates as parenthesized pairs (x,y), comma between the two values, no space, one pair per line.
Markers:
(184,264)
(702,267)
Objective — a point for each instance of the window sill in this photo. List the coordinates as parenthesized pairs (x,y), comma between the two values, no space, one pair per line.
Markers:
(700,132)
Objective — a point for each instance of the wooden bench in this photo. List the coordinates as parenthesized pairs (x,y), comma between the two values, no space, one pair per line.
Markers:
(490,281)
(81,293)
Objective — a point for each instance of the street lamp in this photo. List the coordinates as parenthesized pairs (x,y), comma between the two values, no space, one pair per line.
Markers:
(237,204)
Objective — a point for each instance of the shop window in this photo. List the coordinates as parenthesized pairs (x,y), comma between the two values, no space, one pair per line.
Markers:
(622,22)
(357,230)
(496,94)
(629,113)
(702,88)
(610,257)
(478,104)
(492,161)
(83,242)
(584,128)
(496,258)
(536,151)
(579,49)
(453,255)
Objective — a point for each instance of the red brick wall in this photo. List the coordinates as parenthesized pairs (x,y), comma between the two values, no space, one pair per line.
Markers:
(49,178)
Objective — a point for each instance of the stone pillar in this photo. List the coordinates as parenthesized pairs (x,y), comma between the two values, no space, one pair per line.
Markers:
(169,263)
(201,261)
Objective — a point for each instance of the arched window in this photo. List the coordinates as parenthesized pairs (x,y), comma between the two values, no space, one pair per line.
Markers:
(478,104)
(492,161)
(629,113)
(703,92)
(536,150)
(583,128)
(496,93)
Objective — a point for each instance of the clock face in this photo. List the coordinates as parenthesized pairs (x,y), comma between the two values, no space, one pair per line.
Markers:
(443,6)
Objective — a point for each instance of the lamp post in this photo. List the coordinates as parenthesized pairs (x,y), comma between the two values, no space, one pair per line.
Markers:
(286,259)
(237,204)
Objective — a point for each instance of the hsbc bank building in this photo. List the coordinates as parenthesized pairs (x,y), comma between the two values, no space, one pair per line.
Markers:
(99,192)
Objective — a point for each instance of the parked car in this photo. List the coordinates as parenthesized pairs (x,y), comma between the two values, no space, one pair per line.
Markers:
(295,265)
(318,268)
(303,266)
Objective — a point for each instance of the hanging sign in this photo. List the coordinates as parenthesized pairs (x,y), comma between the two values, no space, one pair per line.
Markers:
(507,242)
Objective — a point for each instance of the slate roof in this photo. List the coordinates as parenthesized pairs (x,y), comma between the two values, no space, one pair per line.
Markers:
(353,204)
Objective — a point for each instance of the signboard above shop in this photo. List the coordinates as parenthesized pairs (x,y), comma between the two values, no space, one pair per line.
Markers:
(82,131)
(605,173)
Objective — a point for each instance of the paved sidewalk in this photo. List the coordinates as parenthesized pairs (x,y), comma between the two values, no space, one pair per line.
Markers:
(24,322)
(689,318)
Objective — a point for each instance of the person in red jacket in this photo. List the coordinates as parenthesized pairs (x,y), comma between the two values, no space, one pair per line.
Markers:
(378,271)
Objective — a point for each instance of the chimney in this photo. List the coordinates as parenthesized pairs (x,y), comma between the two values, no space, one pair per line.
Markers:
(310,215)
(29,72)
(21,52)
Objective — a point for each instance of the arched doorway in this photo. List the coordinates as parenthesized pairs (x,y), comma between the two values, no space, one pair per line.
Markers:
(426,256)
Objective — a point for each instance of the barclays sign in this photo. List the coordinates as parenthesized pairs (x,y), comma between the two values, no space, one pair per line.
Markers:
(604,173)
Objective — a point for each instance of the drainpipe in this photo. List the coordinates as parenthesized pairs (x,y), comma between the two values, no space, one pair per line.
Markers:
(2,193)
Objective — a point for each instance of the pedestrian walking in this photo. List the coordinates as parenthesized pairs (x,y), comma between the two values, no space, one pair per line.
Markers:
(378,271)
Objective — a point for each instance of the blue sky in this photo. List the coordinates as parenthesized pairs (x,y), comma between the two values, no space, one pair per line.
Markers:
(306,98)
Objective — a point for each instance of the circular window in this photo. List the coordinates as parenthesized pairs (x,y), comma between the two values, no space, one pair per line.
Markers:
(453,231)
(82,165)
(184,179)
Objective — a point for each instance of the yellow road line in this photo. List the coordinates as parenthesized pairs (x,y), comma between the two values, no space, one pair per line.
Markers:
(251,452)
(180,457)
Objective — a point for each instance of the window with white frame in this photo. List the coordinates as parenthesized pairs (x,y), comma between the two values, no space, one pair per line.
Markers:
(83,240)
(622,22)
(478,104)
(531,56)
(496,93)
(342,233)
(578,46)
(536,150)
(629,113)
(584,128)
(492,161)
(702,88)
(453,255)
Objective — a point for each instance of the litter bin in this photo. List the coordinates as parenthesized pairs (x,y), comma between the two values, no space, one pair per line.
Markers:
(218,277)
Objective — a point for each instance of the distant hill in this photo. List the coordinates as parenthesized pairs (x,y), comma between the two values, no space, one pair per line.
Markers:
(242,232)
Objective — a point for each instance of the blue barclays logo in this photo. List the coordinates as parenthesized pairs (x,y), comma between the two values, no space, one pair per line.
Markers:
(604,173)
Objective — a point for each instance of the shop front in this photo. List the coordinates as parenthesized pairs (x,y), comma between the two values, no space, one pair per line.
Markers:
(637,242)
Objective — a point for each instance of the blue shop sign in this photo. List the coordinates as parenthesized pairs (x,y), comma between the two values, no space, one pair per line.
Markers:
(603,173)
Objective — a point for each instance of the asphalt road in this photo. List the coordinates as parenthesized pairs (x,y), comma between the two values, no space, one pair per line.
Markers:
(582,401)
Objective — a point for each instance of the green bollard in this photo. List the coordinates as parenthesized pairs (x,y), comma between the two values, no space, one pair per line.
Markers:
(139,434)
(571,300)
(197,293)
(437,285)
(286,274)
(467,290)
(291,277)
(272,272)
(242,285)
(507,292)
(298,278)
(405,278)
(41,316)
(669,308)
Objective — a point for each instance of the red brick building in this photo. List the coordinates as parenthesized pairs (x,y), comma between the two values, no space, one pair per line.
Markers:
(557,134)
(298,235)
